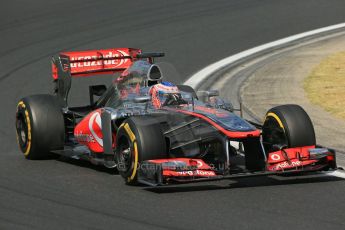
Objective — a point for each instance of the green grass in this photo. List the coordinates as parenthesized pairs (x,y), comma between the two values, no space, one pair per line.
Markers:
(325,86)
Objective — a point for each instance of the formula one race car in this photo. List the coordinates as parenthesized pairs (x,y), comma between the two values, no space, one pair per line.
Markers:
(158,133)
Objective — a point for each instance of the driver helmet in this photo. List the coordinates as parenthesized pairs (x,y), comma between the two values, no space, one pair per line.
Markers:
(165,93)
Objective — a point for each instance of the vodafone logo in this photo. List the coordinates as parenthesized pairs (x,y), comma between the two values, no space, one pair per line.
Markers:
(95,120)
(184,173)
(275,157)
(205,173)
(287,165)
(87,61)
(197,173)
(199,164)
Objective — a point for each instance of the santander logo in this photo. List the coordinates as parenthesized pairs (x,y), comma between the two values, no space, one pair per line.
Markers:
(88,60)
(95,120)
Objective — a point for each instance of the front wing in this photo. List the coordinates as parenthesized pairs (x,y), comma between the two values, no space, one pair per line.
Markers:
(187,170)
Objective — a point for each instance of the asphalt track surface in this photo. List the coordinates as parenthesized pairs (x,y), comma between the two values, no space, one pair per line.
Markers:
(66,194)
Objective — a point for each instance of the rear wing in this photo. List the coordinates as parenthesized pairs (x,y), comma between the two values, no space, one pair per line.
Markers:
(94,62)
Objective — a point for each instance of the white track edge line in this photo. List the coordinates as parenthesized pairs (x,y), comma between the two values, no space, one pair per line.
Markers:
(338,173)
(201,75)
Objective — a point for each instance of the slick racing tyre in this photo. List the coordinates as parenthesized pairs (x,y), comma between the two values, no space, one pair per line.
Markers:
(138,139)
(39,126)
(287,126)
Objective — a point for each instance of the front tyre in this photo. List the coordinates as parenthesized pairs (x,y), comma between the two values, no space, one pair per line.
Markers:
(287,126)
(39,126)
(138,139)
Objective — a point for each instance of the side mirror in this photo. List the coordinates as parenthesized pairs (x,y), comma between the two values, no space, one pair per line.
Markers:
(225,104)
(187,96)
(96,90)
(212,93)
(142,99)
(205,95)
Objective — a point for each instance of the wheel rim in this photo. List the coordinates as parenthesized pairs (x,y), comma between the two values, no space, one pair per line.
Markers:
(22,131)
(273,134)
(125,156)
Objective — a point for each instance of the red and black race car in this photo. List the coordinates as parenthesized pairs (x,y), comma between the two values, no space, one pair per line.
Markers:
(156,138)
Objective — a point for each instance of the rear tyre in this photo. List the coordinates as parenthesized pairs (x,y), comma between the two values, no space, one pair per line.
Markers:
(138,139)
(287,126)
(39,126)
